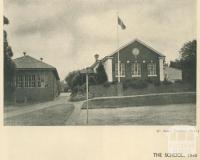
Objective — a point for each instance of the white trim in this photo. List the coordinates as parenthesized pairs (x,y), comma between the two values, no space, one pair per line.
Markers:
(161,55)
(120,70)
(161,68)
(136,75)
(153,75)
(137,66)
(108,69)
(120,76)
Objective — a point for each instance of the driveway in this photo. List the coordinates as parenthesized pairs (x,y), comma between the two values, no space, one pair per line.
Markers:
(52,113)
(11,111)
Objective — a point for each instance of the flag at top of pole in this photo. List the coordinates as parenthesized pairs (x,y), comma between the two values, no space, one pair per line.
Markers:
(121,23)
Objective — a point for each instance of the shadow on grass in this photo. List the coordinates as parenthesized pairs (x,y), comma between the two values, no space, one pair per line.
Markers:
(52,116)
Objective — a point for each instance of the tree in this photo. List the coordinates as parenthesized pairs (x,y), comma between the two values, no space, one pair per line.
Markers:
(69,78)
(75,80)
(9,67)
(175,64)
(188,61)
(101,74)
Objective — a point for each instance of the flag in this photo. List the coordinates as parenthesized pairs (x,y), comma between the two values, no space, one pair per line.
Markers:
(121,23)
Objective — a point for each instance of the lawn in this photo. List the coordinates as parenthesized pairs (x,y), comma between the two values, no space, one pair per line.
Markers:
(52,116)
(180,114)
(144,100)
(174,87)
(111,90)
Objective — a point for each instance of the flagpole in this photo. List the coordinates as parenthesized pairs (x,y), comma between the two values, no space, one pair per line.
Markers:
(118,62)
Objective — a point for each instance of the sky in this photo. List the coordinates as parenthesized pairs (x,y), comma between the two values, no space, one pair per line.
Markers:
(68,33)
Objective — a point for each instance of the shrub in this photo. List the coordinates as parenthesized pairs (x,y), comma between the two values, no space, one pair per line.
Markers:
(178,81)
(139,84)
(156,82)
(136,84)
(149,80)
(166,82)
(107,84)
(101,75)
(126,84)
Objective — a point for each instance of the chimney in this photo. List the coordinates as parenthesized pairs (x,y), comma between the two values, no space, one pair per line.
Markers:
(24,53)
(96,56)
(41,59)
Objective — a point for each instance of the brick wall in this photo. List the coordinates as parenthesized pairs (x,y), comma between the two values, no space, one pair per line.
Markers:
(126,55)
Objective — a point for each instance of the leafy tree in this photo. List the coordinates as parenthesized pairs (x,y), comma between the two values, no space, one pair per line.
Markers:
(9,67)
(101,74)
(70,77)
(75,79)
(188,61)
(175,64)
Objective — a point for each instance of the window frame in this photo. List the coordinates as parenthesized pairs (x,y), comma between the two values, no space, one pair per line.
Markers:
(20,81)
(42,81)
(26,81)
(138,69)
(122,66)
(152,72)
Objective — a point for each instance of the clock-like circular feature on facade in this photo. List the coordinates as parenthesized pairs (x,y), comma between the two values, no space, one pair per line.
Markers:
(135,51)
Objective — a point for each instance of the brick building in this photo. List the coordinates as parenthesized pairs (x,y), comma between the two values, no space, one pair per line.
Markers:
(137,61)
(35,80)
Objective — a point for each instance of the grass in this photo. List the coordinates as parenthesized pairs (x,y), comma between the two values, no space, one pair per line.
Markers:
(52,116)
(151,88)
(173,114)
(141,101)
(174,87)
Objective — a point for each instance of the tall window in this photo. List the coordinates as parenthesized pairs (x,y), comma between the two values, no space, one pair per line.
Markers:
(19,81)
(42,81)
(151,67)
(136,70)
(26,81)
(32,81)
(122,69)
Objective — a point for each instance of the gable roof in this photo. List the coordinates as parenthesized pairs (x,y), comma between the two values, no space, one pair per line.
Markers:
(122,47)
(139,41)
(28,62)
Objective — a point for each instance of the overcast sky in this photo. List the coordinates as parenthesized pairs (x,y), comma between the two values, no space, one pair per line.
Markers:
(67,33)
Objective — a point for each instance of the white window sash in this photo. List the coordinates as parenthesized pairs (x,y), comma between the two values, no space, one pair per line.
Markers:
(122,70)
(151,70)
(136,70)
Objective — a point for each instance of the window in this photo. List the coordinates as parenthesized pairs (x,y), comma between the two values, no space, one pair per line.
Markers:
(32,81)
(136,70)
(122,69)
(42,81)
(151,67)
(19,81)
(39,82)
(29,81)
(26,81)
(116,69)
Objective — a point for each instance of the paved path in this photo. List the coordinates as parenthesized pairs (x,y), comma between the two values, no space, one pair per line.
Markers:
(15,111)
(76,113)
